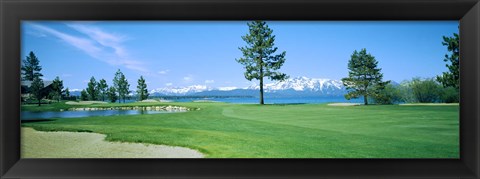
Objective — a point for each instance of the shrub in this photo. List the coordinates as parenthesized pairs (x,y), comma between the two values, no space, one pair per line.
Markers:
(426,91)
(391,94)
(450,95)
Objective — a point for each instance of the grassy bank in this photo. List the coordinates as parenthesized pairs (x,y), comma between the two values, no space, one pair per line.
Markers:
(282,131)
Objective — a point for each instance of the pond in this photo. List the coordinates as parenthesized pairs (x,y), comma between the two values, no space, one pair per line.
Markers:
(27,115)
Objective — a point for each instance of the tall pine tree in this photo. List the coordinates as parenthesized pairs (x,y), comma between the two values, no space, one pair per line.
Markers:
(31,67)
(92,89)
(57,88)
(36,89)
(259,57)
(112,94)
(121,85)
(451,78)
(142,91)
(364,77)
(102,88)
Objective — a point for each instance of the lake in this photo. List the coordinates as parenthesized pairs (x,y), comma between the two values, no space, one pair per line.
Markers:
(27,115)
(283,100)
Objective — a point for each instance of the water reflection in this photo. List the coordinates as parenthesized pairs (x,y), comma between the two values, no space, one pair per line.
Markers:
(27,115)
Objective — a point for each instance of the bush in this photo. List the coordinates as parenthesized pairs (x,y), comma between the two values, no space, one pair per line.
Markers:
(450,95)
(391,94)
(426,91)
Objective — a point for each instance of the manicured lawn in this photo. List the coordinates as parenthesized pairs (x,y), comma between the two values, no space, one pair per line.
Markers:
(222,130)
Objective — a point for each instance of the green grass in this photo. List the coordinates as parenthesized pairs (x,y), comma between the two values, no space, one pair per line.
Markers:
(222,130)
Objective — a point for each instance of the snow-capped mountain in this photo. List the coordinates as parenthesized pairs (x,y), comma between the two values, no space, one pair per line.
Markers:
(181,90)
(303,84)
(299,86)
(74,92)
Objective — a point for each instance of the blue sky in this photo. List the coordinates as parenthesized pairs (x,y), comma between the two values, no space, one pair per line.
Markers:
(184,53)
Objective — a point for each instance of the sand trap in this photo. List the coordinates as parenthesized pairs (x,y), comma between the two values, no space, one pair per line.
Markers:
(85,102)
(344,104)
(38,144)
(430,104)
(149,101)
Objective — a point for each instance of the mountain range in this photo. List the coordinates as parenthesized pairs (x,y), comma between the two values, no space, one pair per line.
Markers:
(292,87)
(299,86)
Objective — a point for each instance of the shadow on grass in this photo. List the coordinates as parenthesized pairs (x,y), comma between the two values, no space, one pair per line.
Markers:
(35,120)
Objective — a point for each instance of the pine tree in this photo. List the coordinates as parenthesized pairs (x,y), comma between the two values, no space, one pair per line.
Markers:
(83,95)
(57,88)
(67,93)
(364,77)
(258,56)
(142,89)
(451,78)
(31,67)
(112,94)
(92,89)
(36,89)
(102,88)
(121,85)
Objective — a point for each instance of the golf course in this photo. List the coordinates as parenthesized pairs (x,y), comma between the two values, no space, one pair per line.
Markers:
(228,130)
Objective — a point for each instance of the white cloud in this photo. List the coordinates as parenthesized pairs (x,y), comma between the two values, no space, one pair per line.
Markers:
(188,78)
(209,81)
(97,44)
(168,84)
(163,72)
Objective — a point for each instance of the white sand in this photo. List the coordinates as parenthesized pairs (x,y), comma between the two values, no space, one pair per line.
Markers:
(344,104)
(85,102)
(38,144)
(149,101)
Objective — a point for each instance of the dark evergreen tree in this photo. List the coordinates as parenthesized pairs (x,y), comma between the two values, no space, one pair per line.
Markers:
(142,91)
(36,89)
(112,94)
(84,95)
(451,78)
(31,67)
(258,58)
(67,93)
(57,88)
(121,85)
(364,77)
(92,89)
(102,88)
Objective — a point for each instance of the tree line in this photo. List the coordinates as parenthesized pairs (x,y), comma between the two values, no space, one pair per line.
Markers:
(31,71)
(120,89)
(365,78)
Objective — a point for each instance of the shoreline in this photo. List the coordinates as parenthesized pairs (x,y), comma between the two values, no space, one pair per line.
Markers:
(40,144)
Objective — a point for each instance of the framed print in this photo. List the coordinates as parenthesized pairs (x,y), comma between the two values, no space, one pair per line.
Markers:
(245,89)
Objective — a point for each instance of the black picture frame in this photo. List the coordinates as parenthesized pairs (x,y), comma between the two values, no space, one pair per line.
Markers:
(14,11)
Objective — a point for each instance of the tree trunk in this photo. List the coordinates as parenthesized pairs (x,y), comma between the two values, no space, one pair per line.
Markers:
(261,91)
(365,100)
(261,82)
(39,102)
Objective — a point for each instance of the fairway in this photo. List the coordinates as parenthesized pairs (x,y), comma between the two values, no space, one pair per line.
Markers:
(225,130)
